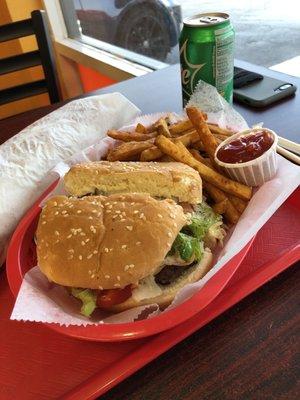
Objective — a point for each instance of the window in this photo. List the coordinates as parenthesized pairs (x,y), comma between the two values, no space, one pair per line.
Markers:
(146,31)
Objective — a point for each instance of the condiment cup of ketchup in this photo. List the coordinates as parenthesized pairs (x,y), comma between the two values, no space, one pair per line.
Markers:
(249,156)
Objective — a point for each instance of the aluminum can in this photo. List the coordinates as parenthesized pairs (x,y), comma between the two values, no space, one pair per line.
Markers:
(206,53)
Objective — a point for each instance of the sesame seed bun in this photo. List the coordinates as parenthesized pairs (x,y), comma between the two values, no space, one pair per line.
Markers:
(105,242)
(163,179)
(168,292)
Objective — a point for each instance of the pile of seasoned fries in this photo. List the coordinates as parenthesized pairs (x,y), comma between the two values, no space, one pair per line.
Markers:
(192,141)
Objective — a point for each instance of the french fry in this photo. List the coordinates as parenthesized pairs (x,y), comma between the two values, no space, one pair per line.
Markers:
(207,138)
(154,152)
(231,214)
(162,128)
(128,151)
(175,129)
(131,137)
(216,129)
(239,204)
(221,207)
(167,119)
(183,126)
(220,138)
(198,157)
(198,145)
(233,204)
(153,127)
(140,128)
(151,154)
(166,158)
(181,154)
(188,138)
(180,127)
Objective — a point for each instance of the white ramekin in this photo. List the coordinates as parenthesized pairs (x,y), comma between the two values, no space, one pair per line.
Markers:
(254,172)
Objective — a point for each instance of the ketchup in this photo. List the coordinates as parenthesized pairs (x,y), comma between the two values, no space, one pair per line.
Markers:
(246,148)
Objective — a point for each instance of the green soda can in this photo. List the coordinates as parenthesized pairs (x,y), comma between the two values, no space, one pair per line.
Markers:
(206,53)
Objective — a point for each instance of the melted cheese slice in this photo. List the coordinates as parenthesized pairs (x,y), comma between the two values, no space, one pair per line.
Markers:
(178,261)
(147,289)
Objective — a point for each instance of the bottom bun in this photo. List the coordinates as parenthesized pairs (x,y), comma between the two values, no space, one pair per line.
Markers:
(169,292)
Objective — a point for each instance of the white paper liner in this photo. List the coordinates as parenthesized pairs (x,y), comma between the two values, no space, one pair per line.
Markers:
(38,300)
(218,110)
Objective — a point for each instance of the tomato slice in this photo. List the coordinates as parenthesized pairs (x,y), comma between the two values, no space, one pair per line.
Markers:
(110,297)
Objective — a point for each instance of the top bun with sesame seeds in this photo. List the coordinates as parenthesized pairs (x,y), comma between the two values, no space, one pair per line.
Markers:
(105,242)
(159,179)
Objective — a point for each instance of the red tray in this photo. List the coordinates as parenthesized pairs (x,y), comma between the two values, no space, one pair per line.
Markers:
(38,363)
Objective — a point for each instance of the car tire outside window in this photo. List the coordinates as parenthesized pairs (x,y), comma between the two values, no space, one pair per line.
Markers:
(144,31)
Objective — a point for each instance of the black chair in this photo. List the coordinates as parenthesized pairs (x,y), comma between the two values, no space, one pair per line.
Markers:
(37,25)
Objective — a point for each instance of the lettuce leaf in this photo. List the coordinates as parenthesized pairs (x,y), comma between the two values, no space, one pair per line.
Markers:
(187,247)
(201,221)
(88,298)
(205,227)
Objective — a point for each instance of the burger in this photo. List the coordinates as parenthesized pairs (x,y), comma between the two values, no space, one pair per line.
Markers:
(130,234)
